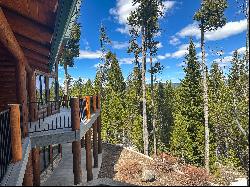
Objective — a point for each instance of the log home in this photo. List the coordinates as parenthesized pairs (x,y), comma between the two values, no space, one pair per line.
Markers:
(34,121)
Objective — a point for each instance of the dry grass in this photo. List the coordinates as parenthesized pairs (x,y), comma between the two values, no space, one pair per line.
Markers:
(126,166)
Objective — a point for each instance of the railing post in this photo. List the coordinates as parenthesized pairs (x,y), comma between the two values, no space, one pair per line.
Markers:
(15,133)
(75,118)
(76,145)
(36,166)
(32,95)
(95,143)
(65,103)
(88,114)
(99,126)
(88,144)
(47,94)
(28,176)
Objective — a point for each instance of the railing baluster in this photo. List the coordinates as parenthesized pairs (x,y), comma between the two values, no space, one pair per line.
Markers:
(68,122)
(5,142)
(60,121)
(64,121)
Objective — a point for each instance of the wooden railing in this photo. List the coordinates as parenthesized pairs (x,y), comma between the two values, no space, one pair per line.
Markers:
(5,142)
(83,109)
(43,110)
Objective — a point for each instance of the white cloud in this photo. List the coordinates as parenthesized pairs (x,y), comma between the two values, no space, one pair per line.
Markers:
(97,65)
(200,54)
(124,30)
(162,57)
(190,30)
(153,60)
(174,40)
(119,45)
(223,62)
(230,29)
(181,64)
(121,13)
(131,60)
(126,61)
(123,9)
(183,50)
(241,51)
(167,5)
(159,45)
(85,54)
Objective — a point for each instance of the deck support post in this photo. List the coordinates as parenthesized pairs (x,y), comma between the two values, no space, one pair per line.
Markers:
(22,96)
(99,130)
(36,166)
(47,95)
(88,144)
(15,128)
(28,176)
(32,95)
(76,145)
(51,155)
(88,155)
(95,143)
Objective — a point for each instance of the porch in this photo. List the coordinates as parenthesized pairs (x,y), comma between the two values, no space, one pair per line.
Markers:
(76,122)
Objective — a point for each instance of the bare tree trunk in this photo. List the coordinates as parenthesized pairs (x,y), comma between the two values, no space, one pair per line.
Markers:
(205,95)
(66,88)
(153,105)
(144,102)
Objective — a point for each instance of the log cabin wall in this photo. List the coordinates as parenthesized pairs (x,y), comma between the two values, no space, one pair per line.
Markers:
(32,24)
(8,91)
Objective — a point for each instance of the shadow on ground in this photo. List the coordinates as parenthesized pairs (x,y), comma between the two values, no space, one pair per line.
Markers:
(111,155)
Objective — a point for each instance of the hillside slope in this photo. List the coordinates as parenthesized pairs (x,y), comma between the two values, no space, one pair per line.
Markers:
(124,165)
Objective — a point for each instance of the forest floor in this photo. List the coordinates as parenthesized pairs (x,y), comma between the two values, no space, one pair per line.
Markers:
(127,166)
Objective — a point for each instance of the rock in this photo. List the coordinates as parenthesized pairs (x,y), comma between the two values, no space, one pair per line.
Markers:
(148,176)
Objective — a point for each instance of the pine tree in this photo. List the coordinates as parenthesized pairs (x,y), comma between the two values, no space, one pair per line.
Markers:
(211,17)
(142,22)
(239,109)
(77,88)
(113,111)
(218,118)
(88,89)
(164,114)
(187,138)
(133,106)
(71,50)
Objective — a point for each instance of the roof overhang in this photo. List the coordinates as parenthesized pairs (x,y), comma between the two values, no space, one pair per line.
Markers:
(68,11)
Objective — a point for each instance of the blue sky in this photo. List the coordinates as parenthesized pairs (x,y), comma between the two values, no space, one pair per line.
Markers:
(177,28)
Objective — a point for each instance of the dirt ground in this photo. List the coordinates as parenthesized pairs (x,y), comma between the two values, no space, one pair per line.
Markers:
(124,165)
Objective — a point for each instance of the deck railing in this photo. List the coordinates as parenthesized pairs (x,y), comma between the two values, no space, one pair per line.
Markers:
(82,106)
(43,110)
(5,142)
